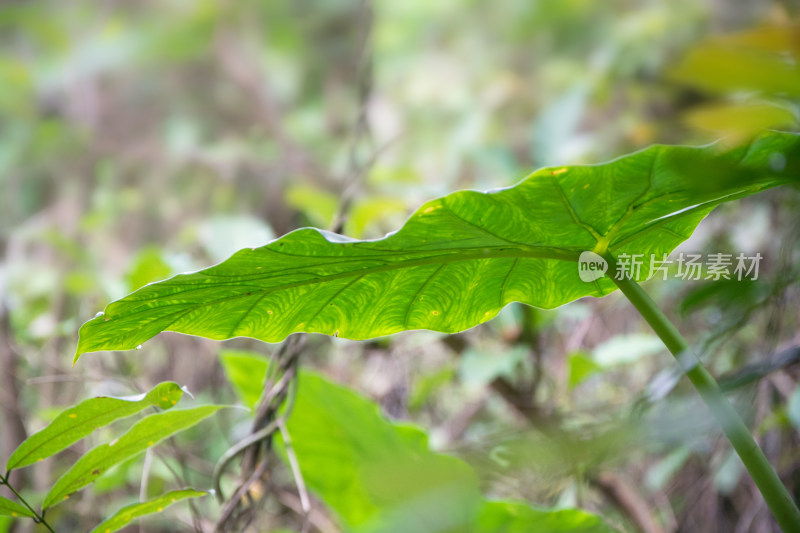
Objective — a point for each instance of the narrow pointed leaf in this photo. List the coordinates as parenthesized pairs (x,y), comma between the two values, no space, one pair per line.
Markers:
(13,509)
(75,423)
(145,433)
(459,259)
(130,513)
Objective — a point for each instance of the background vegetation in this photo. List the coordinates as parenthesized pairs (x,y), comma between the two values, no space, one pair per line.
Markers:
(139,140)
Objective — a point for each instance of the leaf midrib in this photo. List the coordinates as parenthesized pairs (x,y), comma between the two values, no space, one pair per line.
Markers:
(483,252)
(564,254)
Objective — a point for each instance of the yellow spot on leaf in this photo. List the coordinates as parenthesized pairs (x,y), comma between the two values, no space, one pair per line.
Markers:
(150,443)
(66,497)
(73,415)
(174,402)
(428,210)
(164,399)
(269,311)
(434,313)
(160,509)
(14,514)
(586,186)
(557,172)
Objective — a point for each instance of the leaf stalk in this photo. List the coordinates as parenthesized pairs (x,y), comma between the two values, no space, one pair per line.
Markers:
(777,497)
(37,517)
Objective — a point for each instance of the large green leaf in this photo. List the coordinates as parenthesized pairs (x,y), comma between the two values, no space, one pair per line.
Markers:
(381,477)
(74,423)
(246,372)
(145,433)
(459,259)
(375,475)
(127,514)
(13,509)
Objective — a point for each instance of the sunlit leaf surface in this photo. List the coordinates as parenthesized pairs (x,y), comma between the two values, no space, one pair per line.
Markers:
(145,433)
(73,424)
(13,509)
(130,513)
(459,259)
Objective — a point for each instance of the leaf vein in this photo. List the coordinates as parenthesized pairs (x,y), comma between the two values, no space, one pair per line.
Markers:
(419,291)
(505,281)
(575,218)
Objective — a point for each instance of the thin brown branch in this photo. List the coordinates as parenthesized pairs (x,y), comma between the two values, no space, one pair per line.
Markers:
(628,501)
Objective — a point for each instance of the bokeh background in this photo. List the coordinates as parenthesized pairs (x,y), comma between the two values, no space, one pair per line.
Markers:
(142,139)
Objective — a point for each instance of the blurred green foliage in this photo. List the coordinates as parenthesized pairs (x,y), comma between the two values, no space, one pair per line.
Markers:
(139,140)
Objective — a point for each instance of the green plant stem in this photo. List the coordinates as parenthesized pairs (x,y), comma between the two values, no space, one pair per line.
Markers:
(39,518)
(769,484)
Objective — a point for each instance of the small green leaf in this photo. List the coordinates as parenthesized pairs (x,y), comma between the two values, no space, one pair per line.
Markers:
(246,372)
(145,433)
(581,366)
(459,259)
(366,212)
(76,422)
(505,517)
(127,514)
(148,266)
(318,205)
(13,509)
